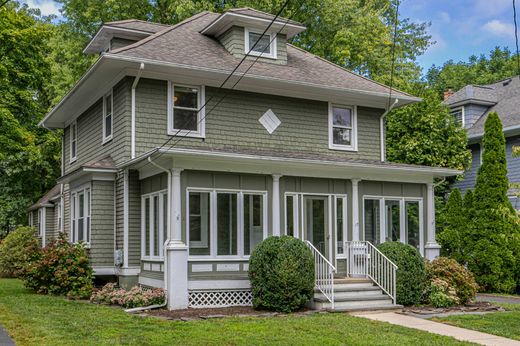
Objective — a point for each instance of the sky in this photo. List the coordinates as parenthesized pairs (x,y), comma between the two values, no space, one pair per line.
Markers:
(460,28)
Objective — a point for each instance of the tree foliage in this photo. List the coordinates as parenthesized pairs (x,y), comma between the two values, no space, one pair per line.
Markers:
(451,238)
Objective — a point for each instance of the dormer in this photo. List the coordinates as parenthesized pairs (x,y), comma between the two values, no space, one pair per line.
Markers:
(240,31)
(114,35)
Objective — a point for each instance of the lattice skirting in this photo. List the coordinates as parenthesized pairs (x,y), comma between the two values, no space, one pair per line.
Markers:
(221,298)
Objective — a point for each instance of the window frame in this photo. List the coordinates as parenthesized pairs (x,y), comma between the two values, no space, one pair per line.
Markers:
(110,95)
(402,217)
(353,111)
(201,114)
(73,158)
(272,43)
(344,231)
(59,219)
(213,229)
(160,229)
(457,109)
(86,190)
(41,221)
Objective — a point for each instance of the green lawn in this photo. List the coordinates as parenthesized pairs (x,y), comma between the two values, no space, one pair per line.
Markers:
(505,324)
(43,320)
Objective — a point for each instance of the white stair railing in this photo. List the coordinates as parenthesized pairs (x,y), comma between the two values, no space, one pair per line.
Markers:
(324,274)
(364,259)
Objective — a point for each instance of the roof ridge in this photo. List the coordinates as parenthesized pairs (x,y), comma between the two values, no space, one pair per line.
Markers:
(160,33)
(348,71)
(135,20)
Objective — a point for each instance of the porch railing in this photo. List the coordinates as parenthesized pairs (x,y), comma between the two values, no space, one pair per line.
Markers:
(364,259)
(324,274)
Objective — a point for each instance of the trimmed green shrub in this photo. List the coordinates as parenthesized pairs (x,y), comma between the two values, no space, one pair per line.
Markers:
(63,269)
(281,271)
(441,295)
(451,238)
(456,277)
(17,251)
(411,273)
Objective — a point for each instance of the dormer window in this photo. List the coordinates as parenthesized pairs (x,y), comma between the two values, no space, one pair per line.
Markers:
(260,45)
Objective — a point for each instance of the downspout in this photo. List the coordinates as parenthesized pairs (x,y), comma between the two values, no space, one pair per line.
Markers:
(382,129)
(134,85)
(168,226)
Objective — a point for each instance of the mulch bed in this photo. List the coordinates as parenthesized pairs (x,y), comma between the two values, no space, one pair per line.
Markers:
(472,307)
(211,313)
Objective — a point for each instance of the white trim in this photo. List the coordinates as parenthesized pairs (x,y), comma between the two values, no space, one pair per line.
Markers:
(160,228)
(201,268)
(457,109)
(296,211)
(218,284)
(104,271)
(353,112)
(132,111)
(276,205)
(201,112)
(86,190)
(110,95)
(228,267)
(125,218)
(273,51)
(355,209)
(74,124)
(111,30)
(151,282)
(344,231)
(43,225)
(133,271)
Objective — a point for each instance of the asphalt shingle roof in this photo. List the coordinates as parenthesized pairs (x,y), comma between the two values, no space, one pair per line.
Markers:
(140,25)
(247,11)
(485,93)
(45,199)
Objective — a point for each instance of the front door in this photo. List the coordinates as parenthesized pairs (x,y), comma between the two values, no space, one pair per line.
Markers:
(316,227)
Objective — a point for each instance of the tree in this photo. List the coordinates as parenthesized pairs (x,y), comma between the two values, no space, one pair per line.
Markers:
(451,238)
(426,134)
(494,230)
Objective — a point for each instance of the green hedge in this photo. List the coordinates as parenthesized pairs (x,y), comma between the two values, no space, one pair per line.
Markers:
(17,251)
(281,271)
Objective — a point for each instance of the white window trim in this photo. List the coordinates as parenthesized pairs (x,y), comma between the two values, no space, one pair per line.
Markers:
(402,215)
(72,159)
(354,144)
(87,212)
(160,194)
(273,43)
(59,219)
(344,231)
(41,222)
(201,115)
(110,95)
(456,109)
(213,221)
(296,212)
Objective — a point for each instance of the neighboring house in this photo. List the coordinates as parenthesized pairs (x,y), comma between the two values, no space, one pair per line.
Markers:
(471,106)
(296,148)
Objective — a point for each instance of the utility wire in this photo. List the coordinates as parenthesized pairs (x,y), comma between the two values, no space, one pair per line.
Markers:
(392,67)
(516,39)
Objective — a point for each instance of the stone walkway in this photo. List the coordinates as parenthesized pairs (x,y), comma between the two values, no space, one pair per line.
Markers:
(440,328)
(5,339)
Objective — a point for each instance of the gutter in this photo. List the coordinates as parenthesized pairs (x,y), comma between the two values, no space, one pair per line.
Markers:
(505,130)
(382,129)
(134,85)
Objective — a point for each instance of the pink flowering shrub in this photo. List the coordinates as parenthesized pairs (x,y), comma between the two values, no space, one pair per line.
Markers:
(134,297)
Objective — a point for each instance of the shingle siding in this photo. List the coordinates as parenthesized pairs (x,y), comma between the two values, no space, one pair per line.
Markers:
(134,219)
(472,113)
(102,223)
(234,123)
(470,176)
(50,225)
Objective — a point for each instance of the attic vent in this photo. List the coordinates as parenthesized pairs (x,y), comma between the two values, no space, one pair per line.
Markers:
(270,121)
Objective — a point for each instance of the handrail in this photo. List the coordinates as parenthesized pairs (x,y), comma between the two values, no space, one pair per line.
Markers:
(366,260)
(324,274)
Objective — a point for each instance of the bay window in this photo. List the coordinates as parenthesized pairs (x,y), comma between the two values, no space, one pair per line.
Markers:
(80,215)
(224,223)
(154,224)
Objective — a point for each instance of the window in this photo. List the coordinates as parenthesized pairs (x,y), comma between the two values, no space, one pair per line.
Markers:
(372,220)
(393,220)
(291,215)
(108,104)
(412,223)
(458,115)
(185,116)
(154,224)
(260,45)
(59,221)
(73,141)
(340,225)
(225,223)
(80,215)
(342,128)
(40,222)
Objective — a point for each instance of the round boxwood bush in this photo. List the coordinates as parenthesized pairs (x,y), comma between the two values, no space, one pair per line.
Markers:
(281,271)
(411,274)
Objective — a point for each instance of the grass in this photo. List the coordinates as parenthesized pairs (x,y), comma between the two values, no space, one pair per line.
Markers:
(33,319)
(505,324)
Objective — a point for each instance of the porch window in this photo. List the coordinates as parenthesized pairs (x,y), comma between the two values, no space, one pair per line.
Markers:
(237,225)
(154,224)
(412,223)
(342,128)
(186,110)
(80,215)
(340,224)
(291,215)
(372,220)
(393,220)
(108,104)
(73,141)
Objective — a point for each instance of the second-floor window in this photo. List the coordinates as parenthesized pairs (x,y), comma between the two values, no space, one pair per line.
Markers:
(458,115)
(342,127)
(73,141)
(185,110)
(108,103)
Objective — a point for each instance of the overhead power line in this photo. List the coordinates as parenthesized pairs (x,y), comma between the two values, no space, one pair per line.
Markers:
(516,39)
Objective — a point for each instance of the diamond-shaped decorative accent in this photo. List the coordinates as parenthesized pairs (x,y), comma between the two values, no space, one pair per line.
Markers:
(270,121)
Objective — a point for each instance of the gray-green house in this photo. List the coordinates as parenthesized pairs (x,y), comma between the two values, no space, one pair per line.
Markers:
(172,181)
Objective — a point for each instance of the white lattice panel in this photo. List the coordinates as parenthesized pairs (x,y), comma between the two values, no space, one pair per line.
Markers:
(218,299)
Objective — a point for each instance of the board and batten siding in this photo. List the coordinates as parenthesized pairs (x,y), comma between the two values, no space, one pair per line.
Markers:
(90,131)
(102,223)
(234,124)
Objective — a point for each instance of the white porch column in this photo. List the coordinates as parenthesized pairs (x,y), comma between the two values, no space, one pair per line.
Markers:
(355,209)
(431,249)
(276,205)
(176,249)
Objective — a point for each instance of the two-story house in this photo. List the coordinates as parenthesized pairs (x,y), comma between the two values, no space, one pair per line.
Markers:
(470,106)
(171,180)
